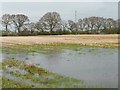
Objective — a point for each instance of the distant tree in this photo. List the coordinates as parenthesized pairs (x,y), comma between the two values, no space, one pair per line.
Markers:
(50,20)
(98,23)
(64,25)
(80,24)
(86,24)
(115,23)
(104,24)
(6,20)
(118,25)
(19,21)
(109,23)
(91,23)
(72,26)
(32,27)
(40,26)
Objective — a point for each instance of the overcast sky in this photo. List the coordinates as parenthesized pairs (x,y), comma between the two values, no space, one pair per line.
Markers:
(35,10)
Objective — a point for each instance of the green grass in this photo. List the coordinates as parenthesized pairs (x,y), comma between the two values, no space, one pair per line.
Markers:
(46,79)
(45,48)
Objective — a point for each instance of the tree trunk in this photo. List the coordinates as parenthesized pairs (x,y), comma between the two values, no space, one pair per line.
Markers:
(6,27)
(91,30)
(51,30)
(42,30)
(18,29)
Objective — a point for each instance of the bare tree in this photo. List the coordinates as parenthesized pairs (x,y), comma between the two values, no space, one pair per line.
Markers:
(91,23)
(98,23)
(104,24)
(118,23)
(80,24)
(86,24)
(40,26)
(110,22)
(6,20)
(64,25)
(32,27)
(115,23)
(51,20)
(72,26)
(19,20)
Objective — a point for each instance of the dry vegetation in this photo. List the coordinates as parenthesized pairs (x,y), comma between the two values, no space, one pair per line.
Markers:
(89,40)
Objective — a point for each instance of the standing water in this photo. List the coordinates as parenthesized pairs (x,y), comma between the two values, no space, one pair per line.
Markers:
(95,66)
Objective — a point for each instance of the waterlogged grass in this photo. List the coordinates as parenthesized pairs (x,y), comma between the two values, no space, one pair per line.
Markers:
(44,49)
(6,83)
(36,77)
(27,48)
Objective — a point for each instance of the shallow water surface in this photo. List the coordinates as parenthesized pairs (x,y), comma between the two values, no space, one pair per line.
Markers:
(96,66)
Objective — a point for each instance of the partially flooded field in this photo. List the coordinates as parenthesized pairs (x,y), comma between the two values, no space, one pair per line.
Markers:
(59,64)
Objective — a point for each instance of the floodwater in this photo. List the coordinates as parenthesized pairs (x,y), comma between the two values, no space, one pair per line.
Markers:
(95,66)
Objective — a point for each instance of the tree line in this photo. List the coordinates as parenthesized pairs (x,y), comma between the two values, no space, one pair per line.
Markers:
(52,24)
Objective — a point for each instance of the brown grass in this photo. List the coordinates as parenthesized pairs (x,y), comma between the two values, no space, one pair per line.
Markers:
(92,40)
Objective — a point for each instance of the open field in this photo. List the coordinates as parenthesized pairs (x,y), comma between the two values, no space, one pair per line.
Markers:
(89,40)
